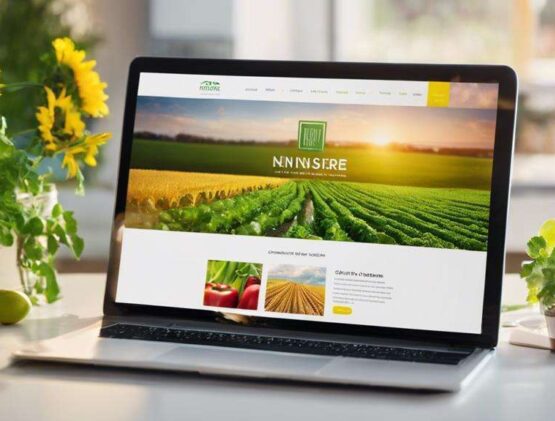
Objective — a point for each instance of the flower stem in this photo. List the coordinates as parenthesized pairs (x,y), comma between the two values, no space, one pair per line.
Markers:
(23,132)
(8,87)
(23,279)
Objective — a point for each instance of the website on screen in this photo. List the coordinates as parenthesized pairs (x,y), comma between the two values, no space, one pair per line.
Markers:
(347,201)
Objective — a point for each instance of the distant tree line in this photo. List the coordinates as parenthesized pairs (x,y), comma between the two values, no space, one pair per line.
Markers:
(399,147)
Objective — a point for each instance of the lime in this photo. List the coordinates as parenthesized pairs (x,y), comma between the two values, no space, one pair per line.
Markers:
(14,306)
(547,231)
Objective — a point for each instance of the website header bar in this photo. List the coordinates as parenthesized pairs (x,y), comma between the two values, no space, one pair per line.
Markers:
(336,91)
(326,91)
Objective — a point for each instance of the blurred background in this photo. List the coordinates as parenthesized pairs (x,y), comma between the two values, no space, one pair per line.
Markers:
(520,33)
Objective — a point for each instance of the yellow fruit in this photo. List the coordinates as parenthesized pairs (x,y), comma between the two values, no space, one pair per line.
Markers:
(14,306)
(547,231)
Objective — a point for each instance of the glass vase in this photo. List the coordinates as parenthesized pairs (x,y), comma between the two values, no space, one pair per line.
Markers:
(32,283)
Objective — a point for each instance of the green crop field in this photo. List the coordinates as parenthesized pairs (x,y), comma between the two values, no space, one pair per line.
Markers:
(376,166)
(343,211)
(406,198)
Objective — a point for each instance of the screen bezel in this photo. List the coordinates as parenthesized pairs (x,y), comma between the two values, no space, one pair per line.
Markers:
(500,185)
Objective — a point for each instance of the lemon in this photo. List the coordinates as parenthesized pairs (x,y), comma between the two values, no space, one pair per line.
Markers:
(14,306)
(547,231)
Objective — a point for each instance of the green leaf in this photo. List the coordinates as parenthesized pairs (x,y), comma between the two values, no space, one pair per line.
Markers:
(535,247)
(57,210)
(547,293)
(526,269)
(52,245)
(534,283)
(549,274)
(6,237)
(19,221)
(52,290)
(6,149)
(71,223)
(34,226)
(61,234)
(77,245)
(32,249)
(7,144)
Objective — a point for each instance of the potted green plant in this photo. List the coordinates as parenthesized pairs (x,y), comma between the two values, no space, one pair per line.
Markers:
(539,274)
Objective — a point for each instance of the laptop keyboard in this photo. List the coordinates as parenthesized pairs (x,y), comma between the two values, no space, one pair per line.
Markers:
(280,344)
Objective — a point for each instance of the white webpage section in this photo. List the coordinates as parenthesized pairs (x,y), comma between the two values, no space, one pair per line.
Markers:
(334,91)
(391,286)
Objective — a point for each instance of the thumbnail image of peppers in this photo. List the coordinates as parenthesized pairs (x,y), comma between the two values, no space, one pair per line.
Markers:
(232,284)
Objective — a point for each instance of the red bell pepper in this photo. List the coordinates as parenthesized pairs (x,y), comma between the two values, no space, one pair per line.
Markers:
(252,280)
(249,299)
(216,284)
(218,295)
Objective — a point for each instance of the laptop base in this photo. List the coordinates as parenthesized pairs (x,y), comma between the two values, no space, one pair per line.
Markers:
(87,347)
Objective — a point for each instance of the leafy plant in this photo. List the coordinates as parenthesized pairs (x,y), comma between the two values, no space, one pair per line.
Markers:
(539,273)
(71,93)
(37,237)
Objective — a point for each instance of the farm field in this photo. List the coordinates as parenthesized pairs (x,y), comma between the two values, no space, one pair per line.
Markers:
(167,189)
(379,167)
(285,296)
(337,211)
(152,191)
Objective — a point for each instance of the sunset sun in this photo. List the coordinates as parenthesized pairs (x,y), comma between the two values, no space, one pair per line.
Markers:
(381,139)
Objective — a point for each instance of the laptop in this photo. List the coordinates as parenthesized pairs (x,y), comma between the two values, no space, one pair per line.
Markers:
(320,222)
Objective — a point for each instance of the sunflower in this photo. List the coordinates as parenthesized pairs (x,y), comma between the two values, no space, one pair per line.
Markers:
(63,131)
(92,142)
(70,160)
(89,85)
(60,122)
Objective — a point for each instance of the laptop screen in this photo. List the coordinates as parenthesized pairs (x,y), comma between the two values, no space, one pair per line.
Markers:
(361,202)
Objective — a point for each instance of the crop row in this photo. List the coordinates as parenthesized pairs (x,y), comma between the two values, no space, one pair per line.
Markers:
(367,215)
(428,217)
(443,214)
(471,229)
(284,296)
(252,213)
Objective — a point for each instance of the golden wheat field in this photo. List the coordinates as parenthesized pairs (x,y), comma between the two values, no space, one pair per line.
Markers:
(284,296)
(152,190)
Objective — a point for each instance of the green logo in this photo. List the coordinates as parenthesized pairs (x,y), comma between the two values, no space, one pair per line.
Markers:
(209,86)
(312,135)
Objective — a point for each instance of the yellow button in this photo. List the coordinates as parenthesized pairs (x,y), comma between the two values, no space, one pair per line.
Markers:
(342,310)
(438,94)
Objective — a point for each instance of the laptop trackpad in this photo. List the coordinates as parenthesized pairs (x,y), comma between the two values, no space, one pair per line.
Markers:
(216,360)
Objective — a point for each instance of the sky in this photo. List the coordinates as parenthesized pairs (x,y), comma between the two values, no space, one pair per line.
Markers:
(278,121)
(304,274)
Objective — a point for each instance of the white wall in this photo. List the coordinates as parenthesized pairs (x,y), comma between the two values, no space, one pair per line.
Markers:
(281,29)
(191,18)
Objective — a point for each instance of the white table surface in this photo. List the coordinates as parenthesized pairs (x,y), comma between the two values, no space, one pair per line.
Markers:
(519,384)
